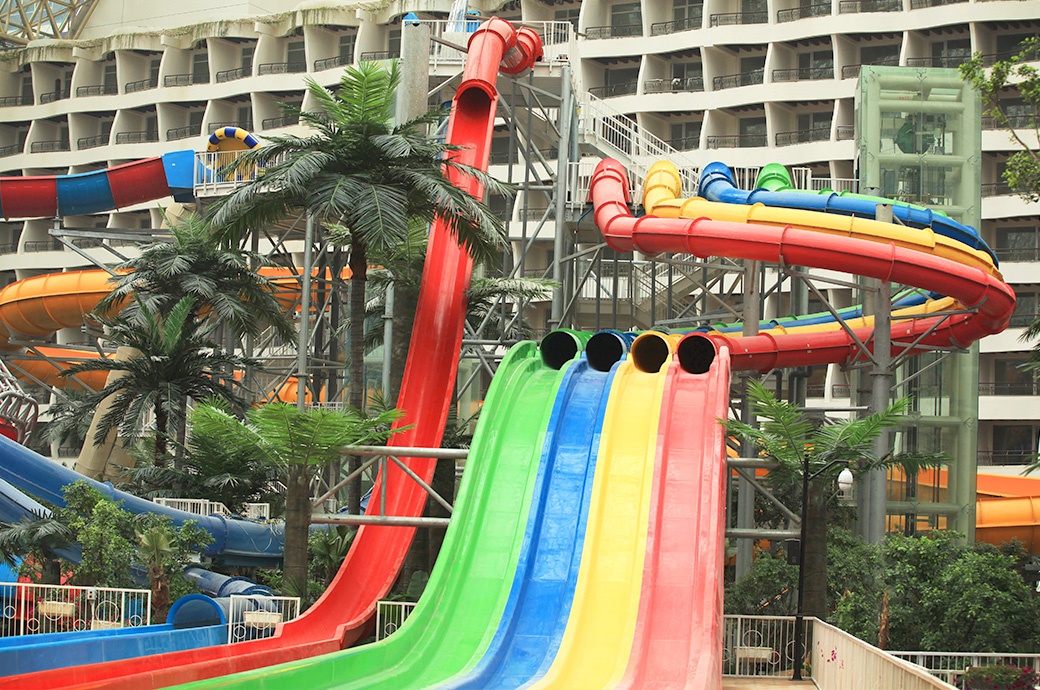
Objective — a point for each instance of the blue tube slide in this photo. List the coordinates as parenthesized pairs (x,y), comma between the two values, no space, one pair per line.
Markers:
(717,185)
(235,542)
(539,602)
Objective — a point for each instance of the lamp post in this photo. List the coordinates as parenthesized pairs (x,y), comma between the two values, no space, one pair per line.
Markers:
(845,481)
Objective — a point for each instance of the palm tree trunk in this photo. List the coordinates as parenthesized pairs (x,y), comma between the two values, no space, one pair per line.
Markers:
(358,280)
(815,600)
(297,524)
(161,426)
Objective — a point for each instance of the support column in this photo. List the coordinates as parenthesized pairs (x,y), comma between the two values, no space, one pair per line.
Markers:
(745,491)
(560,244)
(873,515)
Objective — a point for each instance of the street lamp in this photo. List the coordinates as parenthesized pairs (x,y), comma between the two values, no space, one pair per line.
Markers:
(845,482)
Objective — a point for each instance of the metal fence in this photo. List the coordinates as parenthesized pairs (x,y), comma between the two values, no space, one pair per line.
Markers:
(30,609)
(201,506)
(949,666)
(759,645)
(255,617)
(390,615)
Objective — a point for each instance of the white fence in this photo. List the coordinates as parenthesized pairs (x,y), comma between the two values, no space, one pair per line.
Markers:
(254,617)
(390,615)
(200,506)
(30,609)
(949,666)
(759,645)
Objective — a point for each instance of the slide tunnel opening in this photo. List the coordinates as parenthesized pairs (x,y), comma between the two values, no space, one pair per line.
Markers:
(604,350)
(558,348)
(696,353)
(649,352)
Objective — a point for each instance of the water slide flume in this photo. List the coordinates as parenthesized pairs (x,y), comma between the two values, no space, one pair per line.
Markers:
(339,617)
(991,299)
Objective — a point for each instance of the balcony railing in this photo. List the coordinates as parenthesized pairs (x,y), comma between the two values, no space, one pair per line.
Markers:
(1018,388)
(226,75)
(51,245)
(1017,253)
(677,25)
(802,136)
(176,133)
(50,145)
(614,31)
(185,79)
(857,6)
(1013,121)
(730,81)
(817,390)
(8,101)
(852,71)
(918,4)
(282,67)
(283,121)
(686,143)
(999,189)
(803,73)
(8,248)
(735,18)
(624,89)
(1006,457)
(820,9)
(1022,320)
(245,124)
(676,85)
(1031,55)
(10,150)
(97,90)
(329,63)
(84,143)
(137,137)
(948,61)
(141,85)
(846,132)
(738,141)
(380,55)
(51,96)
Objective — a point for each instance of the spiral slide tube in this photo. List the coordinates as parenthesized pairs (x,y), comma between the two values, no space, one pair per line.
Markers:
(970,285)
(339,616)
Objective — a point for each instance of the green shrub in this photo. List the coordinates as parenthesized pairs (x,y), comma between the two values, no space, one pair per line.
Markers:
(998,677)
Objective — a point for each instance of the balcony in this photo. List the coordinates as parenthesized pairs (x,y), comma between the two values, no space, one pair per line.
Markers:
(97,90)
(730,81)
(10,150)
(852,71)
(1022,320)
(140,137)
(141,85)
(676,85)
(919,4)
(802,136)
(846,132)
(1006,457)
(329,63)
(49,146)
(1013,121)
(84,143)
(50,245)
(246,125)
(380,55)
(1000,189)
(8,248)
(677,25)
(738,141)
(1019,388)
(1032,55)
(177,133)
(226,75)
(1017,253)
(8,101)
(820,9)
(737,18)
(803,74)
(283,121)
(623,89)
(858,6)
(51,96)
(948,61)
(185,79)
(688,143)
(282,68)
(614,31)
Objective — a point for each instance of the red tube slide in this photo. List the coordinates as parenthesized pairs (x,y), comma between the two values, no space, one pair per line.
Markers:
(340,616)
(993,300)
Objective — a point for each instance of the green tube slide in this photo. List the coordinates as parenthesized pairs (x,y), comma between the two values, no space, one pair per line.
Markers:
(457,616)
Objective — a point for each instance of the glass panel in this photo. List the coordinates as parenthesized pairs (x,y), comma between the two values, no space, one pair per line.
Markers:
(625,14)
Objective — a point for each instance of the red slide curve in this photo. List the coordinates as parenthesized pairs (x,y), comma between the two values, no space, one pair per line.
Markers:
(340,616)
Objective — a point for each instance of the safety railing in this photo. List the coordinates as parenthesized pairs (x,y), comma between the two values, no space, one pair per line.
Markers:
(852,71)
(282,67)
(390,615)
(946,61)
(731,81)
(30,609)
(283,121)
(91,142)
(8,101)
(1014,121)
(175,133)
(737,18)
(51,96)
(919,4)
(328,63)
(556,37)
(97,90)
(1006,457)
(226,75)
(676,85)
(818,9)
(139,137)
(623,89)
(255,617)
(856,6)
(676,25)
(835,184)
(141,85)
(949,666)
(759,645)
(1017,253)
(1006,388)
(201,506)
(802,136)
(49,146)
(804,73)
(737,141)
(840,661)
(614,31)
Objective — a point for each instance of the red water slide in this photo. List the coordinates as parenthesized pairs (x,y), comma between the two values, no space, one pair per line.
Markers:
(340,616)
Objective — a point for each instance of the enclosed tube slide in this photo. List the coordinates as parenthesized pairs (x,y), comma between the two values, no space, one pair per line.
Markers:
(339,617)
(974,287)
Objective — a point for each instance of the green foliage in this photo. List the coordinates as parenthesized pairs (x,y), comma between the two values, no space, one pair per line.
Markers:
(1023,167)
(327,549)
(998,677)
(767,590)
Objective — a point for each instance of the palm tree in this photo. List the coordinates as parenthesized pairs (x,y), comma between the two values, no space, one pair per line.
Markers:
(172,362)
(155,548)
(223,280)
(366,175)
(301,443)
(788,436)
(40,537)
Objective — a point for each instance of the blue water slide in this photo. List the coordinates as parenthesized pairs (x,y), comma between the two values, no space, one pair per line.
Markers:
(235,542)
(717,184)
(539,603)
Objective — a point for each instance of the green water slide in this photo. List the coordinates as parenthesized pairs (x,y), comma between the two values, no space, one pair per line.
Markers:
(459,612)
